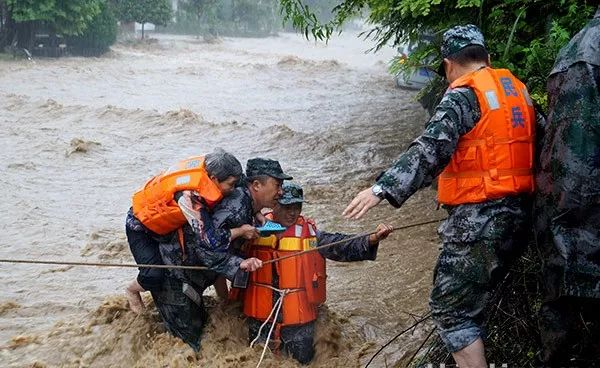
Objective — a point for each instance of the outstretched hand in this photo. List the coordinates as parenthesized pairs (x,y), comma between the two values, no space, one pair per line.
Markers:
(382,232)
(363,202)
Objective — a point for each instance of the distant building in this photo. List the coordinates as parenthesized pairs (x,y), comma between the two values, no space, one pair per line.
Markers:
(147,27)
(131,28)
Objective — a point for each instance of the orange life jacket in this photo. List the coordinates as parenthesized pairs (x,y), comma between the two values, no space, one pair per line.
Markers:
(303,275)
(494,159)
(154,204)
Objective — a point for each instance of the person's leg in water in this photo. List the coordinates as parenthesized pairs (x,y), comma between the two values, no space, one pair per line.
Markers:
(183,317)
(134,297)
(463,279)
(145,251)
(222,289)
(294,341)
(298,342)
(471,356)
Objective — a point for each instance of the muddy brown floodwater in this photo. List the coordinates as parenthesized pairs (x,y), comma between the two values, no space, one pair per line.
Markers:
(78,136)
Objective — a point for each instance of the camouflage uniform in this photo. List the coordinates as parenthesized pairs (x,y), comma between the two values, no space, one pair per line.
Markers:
(297,341)
(183,316)
(238,209)
(183,313)
(234,211)
(479,239)
(207,239)
(568,200)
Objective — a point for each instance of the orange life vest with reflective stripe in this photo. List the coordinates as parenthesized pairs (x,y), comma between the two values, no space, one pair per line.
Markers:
(303,275)
(495,158)
(154,204)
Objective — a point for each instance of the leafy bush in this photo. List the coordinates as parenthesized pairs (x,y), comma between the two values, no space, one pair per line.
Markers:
(64,17)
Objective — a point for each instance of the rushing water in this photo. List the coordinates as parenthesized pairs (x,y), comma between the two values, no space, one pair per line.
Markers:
(78,136)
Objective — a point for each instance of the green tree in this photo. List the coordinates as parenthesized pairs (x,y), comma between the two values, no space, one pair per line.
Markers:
(157,12)
(100,34)
(230,17)
(67,17)
(524,35)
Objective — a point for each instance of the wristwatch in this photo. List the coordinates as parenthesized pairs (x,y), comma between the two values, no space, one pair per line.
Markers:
(378,191)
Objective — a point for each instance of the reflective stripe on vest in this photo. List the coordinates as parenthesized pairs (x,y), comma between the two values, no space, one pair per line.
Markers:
(494,159)
(154,204)
(304,273)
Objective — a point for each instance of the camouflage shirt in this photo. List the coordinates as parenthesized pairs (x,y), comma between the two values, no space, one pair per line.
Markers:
(570,154)
(428,155)
(353,250)
(198,252)
(234,211)
(568,179)
(213,248)
(207,238)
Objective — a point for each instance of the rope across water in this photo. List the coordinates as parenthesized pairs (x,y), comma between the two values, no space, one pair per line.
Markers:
(198,268)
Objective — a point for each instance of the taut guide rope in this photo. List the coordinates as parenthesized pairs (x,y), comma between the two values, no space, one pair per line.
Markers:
(182,267)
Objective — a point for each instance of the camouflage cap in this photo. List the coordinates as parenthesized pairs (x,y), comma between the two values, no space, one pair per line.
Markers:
(263,166)
(456,39)
(292,193)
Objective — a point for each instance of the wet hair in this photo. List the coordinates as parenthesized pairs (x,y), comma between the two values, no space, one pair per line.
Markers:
(470,54)
(222,165)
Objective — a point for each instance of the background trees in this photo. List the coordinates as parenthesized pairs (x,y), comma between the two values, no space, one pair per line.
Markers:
(158,12)
(523,35)
(22,17)
(257,18)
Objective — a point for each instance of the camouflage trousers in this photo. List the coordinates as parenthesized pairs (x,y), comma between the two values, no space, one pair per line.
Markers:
(184,316)
(570,332)
(465,275)
(295,341)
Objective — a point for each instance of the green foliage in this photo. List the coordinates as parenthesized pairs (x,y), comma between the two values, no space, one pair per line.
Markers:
(69,17)
(98,36)
(319,19)
(304,18)
(157,12)
(523,35)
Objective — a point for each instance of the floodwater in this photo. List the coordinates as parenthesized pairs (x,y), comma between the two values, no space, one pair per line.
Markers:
(78,136)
